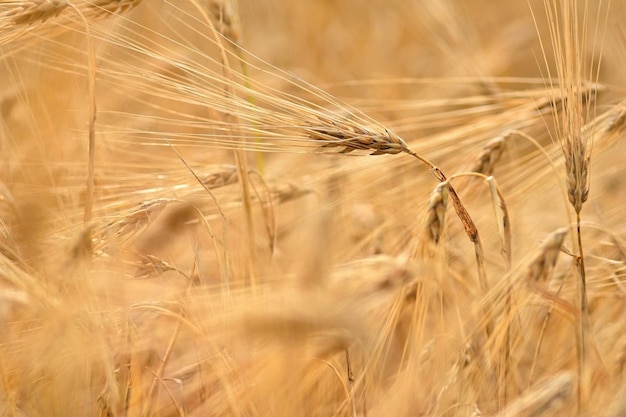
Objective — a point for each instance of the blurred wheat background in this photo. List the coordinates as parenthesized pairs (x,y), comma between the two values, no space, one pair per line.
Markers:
(312,208)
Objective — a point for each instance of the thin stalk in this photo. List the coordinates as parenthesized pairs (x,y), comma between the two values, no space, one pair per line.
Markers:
(584,314)
(91,86)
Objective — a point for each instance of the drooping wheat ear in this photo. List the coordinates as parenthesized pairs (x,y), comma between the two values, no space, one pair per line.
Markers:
(35,11)
(435,220)
(615,119)
(219,177)
(148,266)
(112,6)
(502,216)
(543,263)
(284,192)
(607,126)
(127,225)
(352,136)
(459,207)
(224,13)
(490,155)
(544,400)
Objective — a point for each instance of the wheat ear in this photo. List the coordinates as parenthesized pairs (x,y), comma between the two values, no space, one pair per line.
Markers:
(347,134)
(31,12)
(490,154)
(542,265)
(113,6)
(539,270)
(435,220)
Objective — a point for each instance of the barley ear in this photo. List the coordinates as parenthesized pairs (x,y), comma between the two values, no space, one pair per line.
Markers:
(502,216)
(543,263)
(436,216)
(490,155)
(354,136)
(37,11)
(113,6)
(577,155)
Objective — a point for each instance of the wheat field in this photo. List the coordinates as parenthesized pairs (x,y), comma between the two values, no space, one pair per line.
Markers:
(314,208)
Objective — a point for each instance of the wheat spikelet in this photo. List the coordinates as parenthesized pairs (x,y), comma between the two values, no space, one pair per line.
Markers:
(148,266)
(490,155)
(30,12)
(436,217)
(111,6)
(615,119)
(351,136)
(543,263)
(502,215)
(131,222)
(608,125)
(26,17)
(284,192)
(577,156)
(219,177)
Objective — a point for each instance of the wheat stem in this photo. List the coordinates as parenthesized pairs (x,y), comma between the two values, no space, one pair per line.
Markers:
(91,79)
(584,313)
(240,156)
(158,375)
